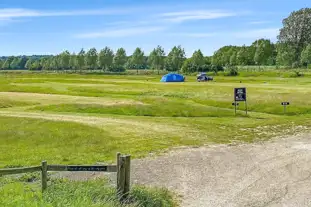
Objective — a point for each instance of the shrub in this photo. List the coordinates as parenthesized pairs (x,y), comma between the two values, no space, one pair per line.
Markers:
(296,65)
(232,71)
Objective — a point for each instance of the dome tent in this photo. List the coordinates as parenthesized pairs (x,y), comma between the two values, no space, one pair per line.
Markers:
(172,77)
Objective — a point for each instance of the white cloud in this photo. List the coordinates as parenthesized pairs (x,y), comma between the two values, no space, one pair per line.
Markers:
(119,32)
(269,33)
(19,12)
(196,15)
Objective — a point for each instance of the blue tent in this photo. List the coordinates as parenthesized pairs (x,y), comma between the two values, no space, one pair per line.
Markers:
(172,77)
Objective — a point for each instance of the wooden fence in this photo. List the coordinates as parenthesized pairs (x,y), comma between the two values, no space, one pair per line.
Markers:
(122,168)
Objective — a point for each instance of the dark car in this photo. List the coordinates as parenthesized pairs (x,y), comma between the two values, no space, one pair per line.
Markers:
(203,77)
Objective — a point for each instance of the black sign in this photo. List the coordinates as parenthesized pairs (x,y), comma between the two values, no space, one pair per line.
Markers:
(235,104)
(87,168)
(240,94)
(285,103)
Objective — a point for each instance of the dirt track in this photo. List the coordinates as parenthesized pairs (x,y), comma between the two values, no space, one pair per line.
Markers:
(275,173)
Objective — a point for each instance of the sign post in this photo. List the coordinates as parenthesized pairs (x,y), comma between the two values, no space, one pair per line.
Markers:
(235,104)
(239,96)
(285,104)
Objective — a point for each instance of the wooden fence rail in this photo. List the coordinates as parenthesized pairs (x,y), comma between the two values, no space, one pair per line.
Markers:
(122,168)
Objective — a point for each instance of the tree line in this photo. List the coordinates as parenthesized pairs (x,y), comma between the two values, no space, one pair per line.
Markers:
(293,49)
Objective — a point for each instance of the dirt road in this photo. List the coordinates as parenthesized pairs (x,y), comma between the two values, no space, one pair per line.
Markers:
(274,173)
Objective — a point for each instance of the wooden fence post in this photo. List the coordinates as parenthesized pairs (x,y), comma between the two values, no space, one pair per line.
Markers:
(127,176)
(121,179)
(44,175)
(118,170)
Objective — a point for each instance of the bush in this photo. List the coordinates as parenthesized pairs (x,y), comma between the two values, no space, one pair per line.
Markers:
(116,69)
(232,71)
(296,65)
(296,74)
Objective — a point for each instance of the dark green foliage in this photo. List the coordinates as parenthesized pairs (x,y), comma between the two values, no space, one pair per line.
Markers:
(232,71)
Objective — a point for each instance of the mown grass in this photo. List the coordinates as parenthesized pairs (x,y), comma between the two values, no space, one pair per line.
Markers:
(153,117)
(96,193)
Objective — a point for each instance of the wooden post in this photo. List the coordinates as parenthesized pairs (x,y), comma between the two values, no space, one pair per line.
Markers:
(235,107)
(44,175)
(246,109)
(127,176)
(118,170)
(121,179)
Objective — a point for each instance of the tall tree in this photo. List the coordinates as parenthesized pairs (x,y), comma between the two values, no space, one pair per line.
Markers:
(29,64)
(91,58)
(137,58)
(46,63)
(296,31)
(65,59)
(233,60)
(6,65)
(175,58)
(156,58)
(16,63)
(306,55)
(198,58)
(73,61)
(81,59)
(260,55)
(105,58)
(286,55)
(242,56)
(120,59)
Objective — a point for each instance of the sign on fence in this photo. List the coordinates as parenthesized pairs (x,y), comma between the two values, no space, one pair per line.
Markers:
(87,168)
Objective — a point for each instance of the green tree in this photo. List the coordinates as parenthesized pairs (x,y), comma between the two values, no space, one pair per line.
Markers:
(55,63)
(81,59)
(137,58)
(198,58)
(119,59)
(65,60)
(296,32)
(36,65)
(189,66)
(105,58)
(306,55)
(73,63)
(242,56)
(156,58)
(16,63)
(175,59)
(1,63)
(29,64)
(260,55)
(285,55)
(233,60)
(46,63)
(91,58)
(6,65)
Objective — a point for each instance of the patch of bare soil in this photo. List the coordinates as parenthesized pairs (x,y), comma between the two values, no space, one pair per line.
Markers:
(274,173)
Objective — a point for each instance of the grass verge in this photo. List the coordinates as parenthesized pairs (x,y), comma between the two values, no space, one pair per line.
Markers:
(95,193)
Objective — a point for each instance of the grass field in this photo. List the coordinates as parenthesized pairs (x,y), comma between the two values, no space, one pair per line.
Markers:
(84,119)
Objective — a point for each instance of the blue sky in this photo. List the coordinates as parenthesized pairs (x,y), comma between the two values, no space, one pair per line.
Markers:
(49,27)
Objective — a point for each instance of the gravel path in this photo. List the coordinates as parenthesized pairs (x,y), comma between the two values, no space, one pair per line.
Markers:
(274,173)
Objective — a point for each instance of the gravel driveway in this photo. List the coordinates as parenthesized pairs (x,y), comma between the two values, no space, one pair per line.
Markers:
(274,173)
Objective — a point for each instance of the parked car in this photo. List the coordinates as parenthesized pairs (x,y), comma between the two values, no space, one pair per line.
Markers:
(203,77)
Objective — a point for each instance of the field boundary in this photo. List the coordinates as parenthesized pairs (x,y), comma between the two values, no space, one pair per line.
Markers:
(122,168)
